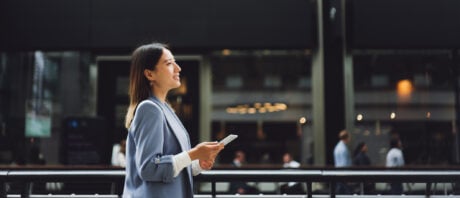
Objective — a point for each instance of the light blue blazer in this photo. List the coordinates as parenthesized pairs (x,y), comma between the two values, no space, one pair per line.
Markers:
(155,135)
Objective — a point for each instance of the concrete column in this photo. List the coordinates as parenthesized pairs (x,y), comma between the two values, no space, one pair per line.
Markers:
(349,93)
(348,79)
(205,100)
(317,76)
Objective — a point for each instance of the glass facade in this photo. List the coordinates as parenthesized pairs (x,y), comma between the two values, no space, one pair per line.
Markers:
(410,94)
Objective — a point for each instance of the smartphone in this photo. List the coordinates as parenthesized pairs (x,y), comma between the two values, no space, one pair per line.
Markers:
(228,139)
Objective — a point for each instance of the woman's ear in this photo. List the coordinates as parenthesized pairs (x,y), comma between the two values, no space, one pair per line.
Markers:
(149,74)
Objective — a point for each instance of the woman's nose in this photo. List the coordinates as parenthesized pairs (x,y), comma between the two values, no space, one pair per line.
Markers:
(178,67)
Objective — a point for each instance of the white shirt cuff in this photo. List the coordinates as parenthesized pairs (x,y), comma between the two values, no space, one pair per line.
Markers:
(180,161)
(196,168)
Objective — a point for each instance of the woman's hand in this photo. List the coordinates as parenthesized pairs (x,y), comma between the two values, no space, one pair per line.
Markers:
(206,151)
(206,165)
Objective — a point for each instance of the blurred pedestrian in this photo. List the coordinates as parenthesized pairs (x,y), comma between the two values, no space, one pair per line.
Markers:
(290,187)
(342,159)
(360,158)
(241,187)
(395,158)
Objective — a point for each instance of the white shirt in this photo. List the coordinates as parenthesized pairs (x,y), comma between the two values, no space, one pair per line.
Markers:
(342,155)
(121,159)
(395,158)
(291,164)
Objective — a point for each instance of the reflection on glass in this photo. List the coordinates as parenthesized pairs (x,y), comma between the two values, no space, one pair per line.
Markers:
(39,105)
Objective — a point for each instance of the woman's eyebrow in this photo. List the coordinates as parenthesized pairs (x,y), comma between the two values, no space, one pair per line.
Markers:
(169,59)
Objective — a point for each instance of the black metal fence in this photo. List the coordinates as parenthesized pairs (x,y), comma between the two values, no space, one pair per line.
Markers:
(23,183)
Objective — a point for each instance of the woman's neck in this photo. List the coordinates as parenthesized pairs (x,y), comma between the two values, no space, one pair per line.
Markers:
(160,94)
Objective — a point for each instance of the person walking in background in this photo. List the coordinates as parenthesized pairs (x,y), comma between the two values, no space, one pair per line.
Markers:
(289,162)
(342,156)
(119,154)
(159,159)
(290,187)
(342,159)
(395,158)
(360,158)
(241,187)
(122,154)
(239,159)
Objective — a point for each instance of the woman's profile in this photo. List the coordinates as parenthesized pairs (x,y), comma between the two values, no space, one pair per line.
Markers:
(160,161)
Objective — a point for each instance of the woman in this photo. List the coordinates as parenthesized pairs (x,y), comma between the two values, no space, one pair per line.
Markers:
(159,159)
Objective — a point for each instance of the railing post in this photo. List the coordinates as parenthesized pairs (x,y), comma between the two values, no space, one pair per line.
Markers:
(309,190)
(213,188)
(113,187)
(26,190)
(332,189)
(428,189)
(117,188)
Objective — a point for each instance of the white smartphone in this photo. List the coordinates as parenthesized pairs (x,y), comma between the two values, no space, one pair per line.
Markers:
(228,139)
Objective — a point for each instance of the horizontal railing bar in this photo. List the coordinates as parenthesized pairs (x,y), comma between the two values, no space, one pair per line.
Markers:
(64,175)
(318,196)
(237,196)
(245,172)
(60,173)
(328,175)
(264,172)
(66,196)
(265,175)
(390,172)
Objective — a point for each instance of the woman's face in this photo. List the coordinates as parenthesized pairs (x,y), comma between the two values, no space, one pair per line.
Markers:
(167,72)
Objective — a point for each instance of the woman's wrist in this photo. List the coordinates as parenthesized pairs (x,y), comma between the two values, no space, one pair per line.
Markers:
(192,153)
(180,161)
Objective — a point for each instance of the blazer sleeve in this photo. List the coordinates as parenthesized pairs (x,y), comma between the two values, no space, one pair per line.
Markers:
(148,134)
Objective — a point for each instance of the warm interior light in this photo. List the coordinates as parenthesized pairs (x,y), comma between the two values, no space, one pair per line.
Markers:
(392,115)
(257,107)
(226,52)
(303,120)
(404,88)
(359,117)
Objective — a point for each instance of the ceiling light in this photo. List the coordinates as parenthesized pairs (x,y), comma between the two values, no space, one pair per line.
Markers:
(257,107)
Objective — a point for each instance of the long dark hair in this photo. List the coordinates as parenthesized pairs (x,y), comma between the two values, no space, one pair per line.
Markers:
(144,57)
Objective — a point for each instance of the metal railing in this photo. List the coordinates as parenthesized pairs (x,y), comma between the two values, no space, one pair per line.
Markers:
(26,178)
(332,177)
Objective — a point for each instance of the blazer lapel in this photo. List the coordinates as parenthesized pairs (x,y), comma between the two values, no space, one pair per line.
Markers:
(175,125)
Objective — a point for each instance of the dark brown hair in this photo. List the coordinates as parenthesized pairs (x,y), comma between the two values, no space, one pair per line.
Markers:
(144,57)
